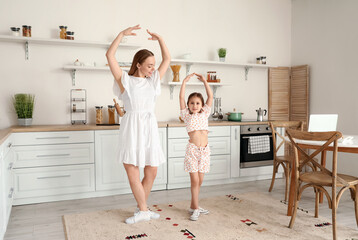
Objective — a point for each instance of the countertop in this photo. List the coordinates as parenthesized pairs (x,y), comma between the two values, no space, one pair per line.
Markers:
(5,133)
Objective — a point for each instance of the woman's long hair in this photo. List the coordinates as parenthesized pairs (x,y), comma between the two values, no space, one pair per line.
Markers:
(139,57)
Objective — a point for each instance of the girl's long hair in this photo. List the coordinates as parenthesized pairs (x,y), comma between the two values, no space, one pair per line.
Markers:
(139,57)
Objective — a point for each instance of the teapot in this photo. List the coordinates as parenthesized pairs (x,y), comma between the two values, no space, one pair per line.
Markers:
(260,114)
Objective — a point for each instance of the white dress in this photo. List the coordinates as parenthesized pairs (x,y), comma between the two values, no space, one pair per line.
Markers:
(139,143)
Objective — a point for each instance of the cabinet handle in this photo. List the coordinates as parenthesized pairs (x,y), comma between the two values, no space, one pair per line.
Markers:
(52,137)
(9,145)
(235,133)
(10,166)
(11,192)
(59,176)
(54,155)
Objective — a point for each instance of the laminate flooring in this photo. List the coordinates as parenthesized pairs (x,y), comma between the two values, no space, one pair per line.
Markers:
(44,221)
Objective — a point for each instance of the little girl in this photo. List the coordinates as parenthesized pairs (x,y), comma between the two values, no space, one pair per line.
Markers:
(197,157)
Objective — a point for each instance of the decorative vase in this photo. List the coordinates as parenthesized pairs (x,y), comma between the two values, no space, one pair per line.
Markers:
(175,69)
(24,121)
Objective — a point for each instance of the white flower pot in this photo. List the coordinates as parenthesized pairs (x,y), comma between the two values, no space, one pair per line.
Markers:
(24,121)
(221,59)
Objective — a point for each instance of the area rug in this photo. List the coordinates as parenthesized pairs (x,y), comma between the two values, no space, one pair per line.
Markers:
(238,216)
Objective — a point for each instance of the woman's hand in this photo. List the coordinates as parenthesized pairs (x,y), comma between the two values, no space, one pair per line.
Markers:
(201,77)
(128,31)
(187,78)
(154,36)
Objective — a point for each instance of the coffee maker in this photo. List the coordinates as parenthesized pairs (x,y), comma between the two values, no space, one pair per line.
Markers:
(260,114)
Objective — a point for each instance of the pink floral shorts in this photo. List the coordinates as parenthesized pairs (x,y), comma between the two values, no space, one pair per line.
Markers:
(197,159)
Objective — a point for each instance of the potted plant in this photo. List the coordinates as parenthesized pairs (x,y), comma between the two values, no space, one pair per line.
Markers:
(24,107)
(222,54)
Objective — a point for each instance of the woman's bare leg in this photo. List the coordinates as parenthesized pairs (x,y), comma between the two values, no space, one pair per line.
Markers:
(147,182)
(136,186)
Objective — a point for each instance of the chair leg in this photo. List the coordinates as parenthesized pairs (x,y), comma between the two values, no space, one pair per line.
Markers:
(295,206)
(287,175)
(334,206)
(316,207)
(356,203)
(275,167)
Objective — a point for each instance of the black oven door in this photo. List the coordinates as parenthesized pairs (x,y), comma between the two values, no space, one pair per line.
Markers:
(254,160)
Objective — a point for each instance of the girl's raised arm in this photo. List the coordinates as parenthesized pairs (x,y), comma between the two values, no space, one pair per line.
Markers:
(165,53)
(209,92)
(182,92)
(112,61)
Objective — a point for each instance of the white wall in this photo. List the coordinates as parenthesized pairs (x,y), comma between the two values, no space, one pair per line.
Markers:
(247,28)
(325,36)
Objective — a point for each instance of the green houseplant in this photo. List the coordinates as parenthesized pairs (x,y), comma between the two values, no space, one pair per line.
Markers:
(222,54)
(24,107)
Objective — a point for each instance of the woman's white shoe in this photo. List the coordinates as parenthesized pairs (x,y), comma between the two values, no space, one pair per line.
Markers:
(139,217)
(153,215)
(202,211)
(195,215)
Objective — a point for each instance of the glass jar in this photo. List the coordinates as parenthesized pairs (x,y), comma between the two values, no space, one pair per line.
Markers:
(63,34)
(69,35)
(25,31)
(258,60)
(175,69)
(29,31)
(99,115)
(111,115)
(15,31)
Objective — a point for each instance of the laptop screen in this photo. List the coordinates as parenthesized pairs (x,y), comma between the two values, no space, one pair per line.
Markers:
(323,122)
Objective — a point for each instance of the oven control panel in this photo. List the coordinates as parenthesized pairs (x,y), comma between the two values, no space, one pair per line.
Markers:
(255,129)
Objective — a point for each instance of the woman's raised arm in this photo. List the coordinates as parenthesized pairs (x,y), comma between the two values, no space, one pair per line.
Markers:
(165,53)
(112,61)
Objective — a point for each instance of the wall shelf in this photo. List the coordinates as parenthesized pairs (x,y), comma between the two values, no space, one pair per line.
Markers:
(188,63)
(172,85)
(52,41)
(74,68)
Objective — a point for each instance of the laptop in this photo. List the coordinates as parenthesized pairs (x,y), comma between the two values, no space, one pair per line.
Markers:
(322,122)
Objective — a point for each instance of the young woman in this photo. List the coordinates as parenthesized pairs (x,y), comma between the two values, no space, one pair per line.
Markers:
(139,144)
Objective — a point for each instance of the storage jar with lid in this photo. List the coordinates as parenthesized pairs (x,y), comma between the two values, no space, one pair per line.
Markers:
(63,32)
(15,31)
(99,115)
(111,115)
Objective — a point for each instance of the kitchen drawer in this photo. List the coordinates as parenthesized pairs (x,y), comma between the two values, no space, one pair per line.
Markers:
(8,184)
(7,145)
(50,181)
(38,138)
(180,132)
(53,155)
(218,145)
(219,169)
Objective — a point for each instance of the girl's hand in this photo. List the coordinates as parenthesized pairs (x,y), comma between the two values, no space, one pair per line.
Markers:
(154,36)
(128,31)
(201,77)
(188,77)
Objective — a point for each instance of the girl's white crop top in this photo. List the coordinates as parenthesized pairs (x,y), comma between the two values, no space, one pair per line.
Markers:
(196,121)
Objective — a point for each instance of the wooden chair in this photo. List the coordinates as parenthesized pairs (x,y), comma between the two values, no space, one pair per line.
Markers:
(285,159)
(319,180)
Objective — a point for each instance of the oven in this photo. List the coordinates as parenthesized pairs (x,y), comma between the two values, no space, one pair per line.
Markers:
(259,159)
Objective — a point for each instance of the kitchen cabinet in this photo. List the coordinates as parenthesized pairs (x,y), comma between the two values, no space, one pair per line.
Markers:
(7,183)
(53,166)
(289,94)
(219,142)
(235,152)
(110,174)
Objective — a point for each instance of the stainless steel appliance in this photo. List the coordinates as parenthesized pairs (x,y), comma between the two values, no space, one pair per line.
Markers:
(259,159)
(260,114)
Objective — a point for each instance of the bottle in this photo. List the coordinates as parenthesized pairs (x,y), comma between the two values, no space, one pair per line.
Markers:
(111,115)
(24,31)
(99,115)
(74,108)
(28,31)
(63,32)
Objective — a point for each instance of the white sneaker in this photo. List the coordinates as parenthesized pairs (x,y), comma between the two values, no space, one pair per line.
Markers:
(202,211)
(195,215)
(153,215)
(139,217)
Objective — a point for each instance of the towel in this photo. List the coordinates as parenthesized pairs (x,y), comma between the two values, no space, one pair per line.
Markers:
(259,144)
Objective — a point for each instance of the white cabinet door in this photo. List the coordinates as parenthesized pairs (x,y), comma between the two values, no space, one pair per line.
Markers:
(110,174)
(235,151)
(8,184)
(2,194)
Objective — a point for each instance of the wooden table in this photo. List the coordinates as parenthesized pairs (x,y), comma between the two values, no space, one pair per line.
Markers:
(343,146)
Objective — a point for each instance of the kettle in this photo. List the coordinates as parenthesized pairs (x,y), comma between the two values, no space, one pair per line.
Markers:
(260,114)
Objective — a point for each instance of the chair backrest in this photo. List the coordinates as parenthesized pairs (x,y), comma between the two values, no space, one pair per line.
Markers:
(278,137)
(321,141)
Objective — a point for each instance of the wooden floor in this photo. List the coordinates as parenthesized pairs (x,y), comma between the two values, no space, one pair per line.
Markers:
(43,221)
